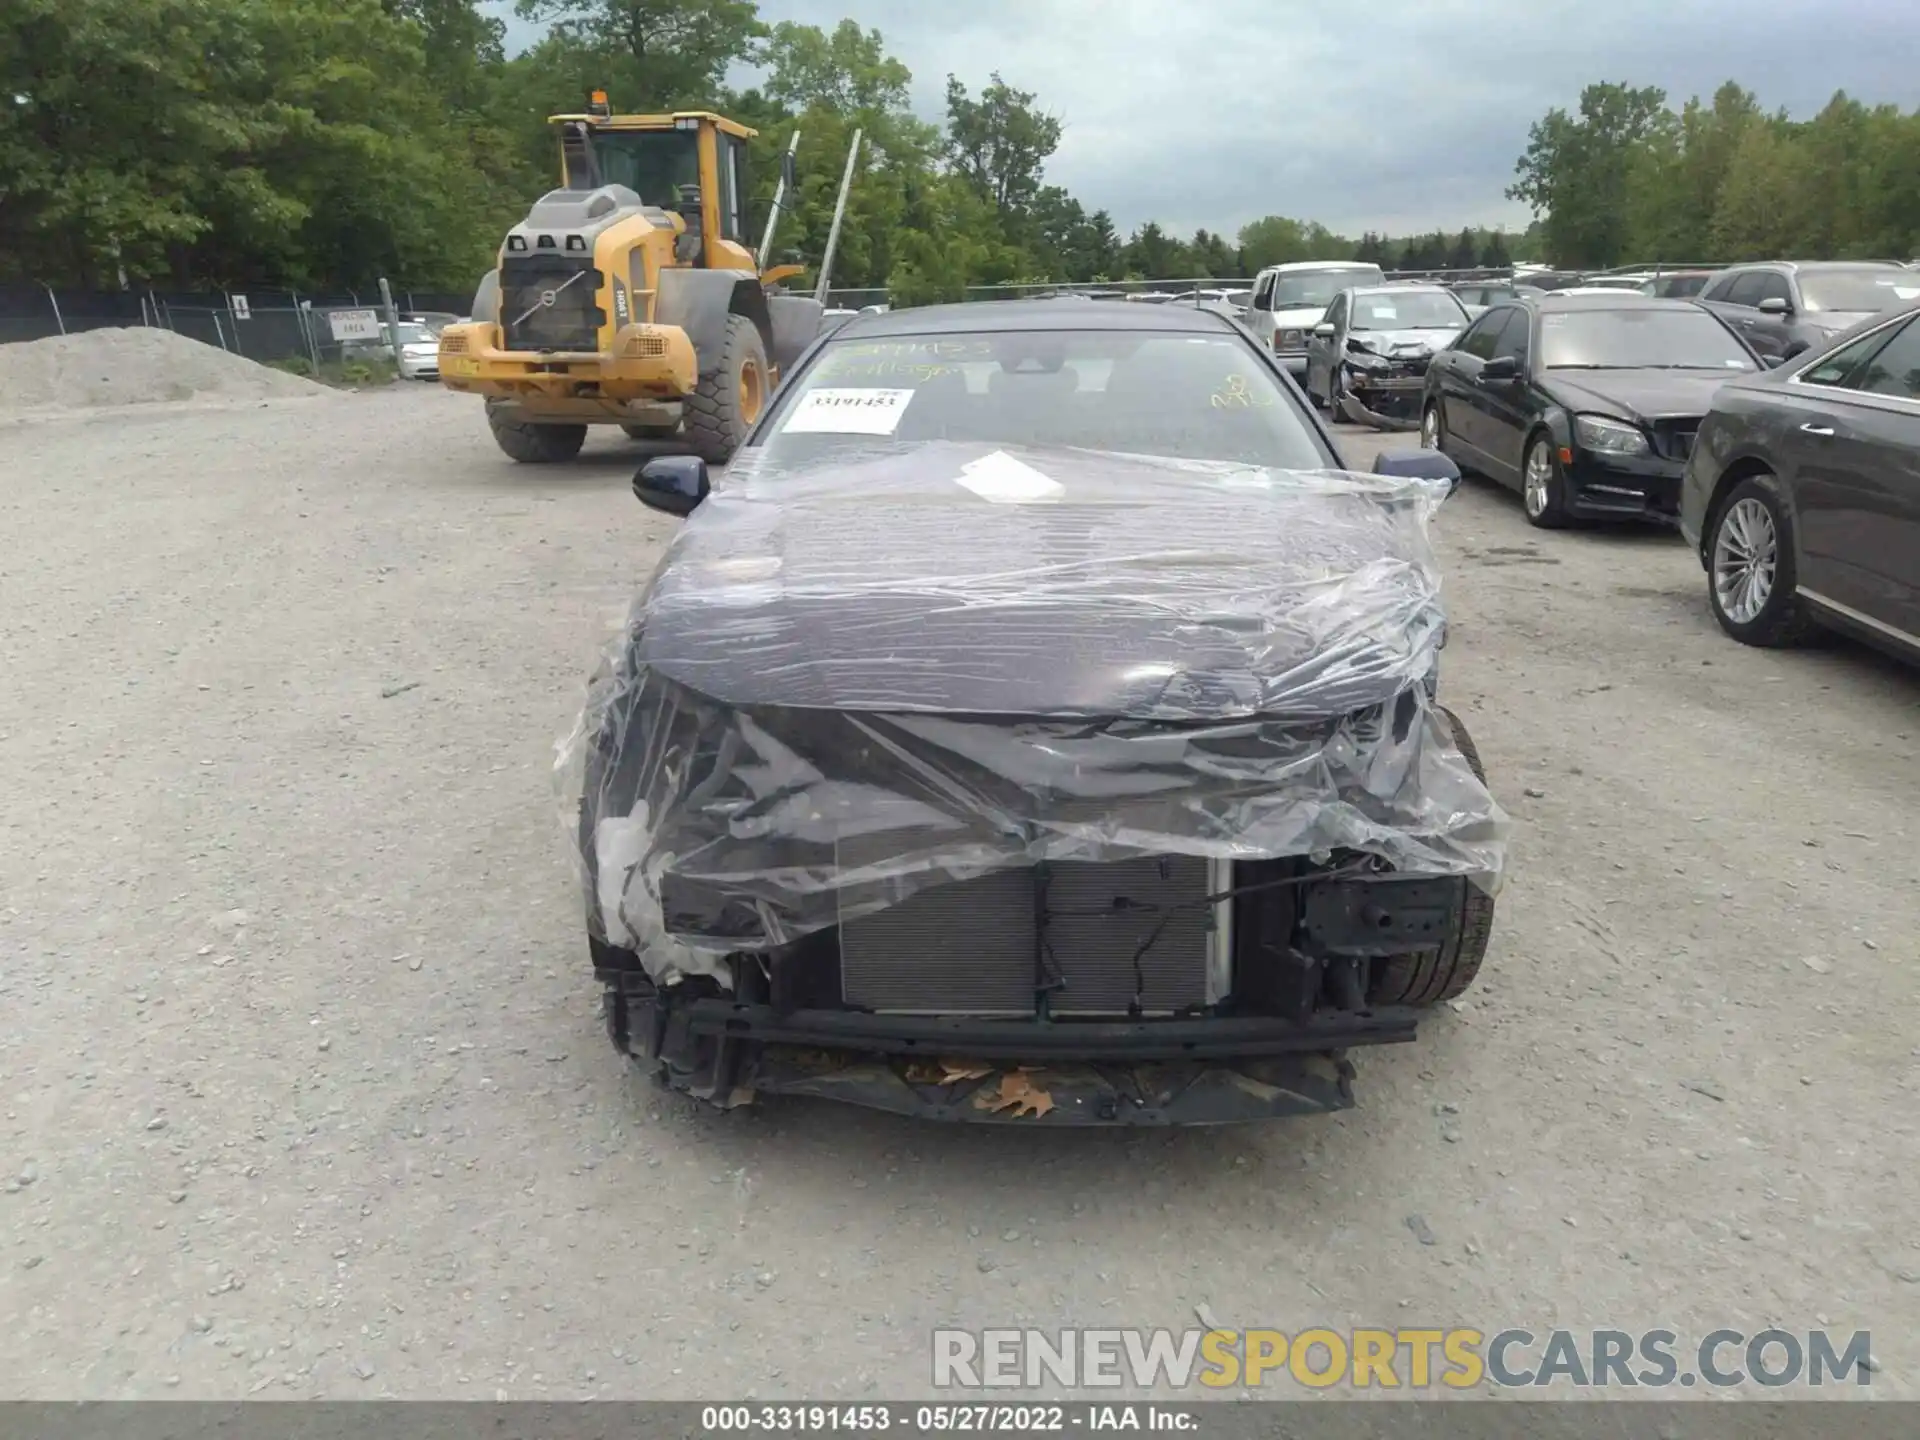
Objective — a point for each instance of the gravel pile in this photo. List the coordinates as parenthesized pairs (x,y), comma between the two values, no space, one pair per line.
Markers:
(99,369)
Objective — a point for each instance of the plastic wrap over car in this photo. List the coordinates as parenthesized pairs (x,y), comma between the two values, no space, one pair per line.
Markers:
(877,671)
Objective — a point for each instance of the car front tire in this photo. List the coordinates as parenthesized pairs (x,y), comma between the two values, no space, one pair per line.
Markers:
(1434,976)
(1751,583)
(1543,485)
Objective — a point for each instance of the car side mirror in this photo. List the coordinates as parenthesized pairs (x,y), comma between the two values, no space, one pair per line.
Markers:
(675,484)
(1501,367)
(1323,331)
(1774,305)
(1418,465)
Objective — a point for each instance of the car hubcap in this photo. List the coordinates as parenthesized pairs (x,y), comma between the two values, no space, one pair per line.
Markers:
(1746,554)
(1539,479)
(1430,429)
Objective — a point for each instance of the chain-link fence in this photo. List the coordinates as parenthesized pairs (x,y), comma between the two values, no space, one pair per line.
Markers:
(268,326)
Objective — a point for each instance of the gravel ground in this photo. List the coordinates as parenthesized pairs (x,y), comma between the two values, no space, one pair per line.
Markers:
(305,1093)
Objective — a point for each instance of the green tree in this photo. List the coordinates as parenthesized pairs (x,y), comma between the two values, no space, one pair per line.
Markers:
(223,141)
(1152,254)
(1000,142)
(1494,254)
(1466,252)
(1760,215)
(670,53)
(1574,172)
(846,71)
(1212,257)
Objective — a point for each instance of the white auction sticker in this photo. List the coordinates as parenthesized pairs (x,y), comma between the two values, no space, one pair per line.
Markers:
(1006,481)
(848,412)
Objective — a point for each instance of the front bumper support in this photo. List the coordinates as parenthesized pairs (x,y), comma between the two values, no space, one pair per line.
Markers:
(1121,1041)
(1176,1093)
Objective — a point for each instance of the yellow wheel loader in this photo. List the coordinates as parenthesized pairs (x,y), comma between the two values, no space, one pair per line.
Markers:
(630,297)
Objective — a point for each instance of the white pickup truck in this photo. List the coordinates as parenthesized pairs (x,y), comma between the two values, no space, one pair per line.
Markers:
(1288,301)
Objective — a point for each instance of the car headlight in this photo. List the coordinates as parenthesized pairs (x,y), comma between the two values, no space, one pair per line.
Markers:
(1290,340)
(1609,437)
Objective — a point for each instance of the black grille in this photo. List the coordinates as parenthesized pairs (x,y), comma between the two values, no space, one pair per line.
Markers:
(1673,439)
(548,302)
(973,947)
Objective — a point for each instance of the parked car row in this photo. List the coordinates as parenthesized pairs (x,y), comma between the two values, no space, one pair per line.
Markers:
(1794,478)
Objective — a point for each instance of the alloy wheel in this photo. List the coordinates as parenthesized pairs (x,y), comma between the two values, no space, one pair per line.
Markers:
(1539,479)
(1430,428)
(1746,557)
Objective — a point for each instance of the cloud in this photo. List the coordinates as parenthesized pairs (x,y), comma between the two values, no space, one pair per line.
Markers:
(1394,115)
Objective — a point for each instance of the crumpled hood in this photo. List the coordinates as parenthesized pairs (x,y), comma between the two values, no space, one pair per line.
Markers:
(973,579)
(1401,344)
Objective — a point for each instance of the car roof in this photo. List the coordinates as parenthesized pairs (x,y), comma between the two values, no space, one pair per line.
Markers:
(1804,267)
(1323,265)
(1402,287)
(1056,314)
(1555,301)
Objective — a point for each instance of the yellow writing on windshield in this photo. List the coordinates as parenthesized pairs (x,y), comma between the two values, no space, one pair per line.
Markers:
(1237,395)
(889,369)
(905,349)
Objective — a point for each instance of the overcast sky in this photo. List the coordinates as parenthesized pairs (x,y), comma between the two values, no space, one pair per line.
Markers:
(1391,115)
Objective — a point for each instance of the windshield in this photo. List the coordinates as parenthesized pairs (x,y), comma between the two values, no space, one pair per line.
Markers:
(1639,340)
(1862,290)
(654,164)
(1198,397)
(1299,289)
(1407,310)
(412,332)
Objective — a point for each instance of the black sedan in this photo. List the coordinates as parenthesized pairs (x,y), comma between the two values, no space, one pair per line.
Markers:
(1586,404)
(1032,724)
(1802,497)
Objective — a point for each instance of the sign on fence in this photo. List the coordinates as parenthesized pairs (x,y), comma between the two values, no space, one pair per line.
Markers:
(354,324)
(241,309)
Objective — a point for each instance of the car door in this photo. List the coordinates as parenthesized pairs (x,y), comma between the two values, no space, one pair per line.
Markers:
(1506,405)
(1322,349)
(1733,298)
(1856,479)
(1260,308)
(1770,334)
(1458,381)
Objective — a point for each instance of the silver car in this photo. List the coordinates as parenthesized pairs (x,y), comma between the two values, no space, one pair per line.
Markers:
(419,350)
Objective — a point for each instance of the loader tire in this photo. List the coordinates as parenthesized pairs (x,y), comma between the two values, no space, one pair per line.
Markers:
(729,397)
(533,444)
(1433,976)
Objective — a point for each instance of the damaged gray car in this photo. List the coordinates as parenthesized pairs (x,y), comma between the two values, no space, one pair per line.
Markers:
(1036,724)
(1367,358)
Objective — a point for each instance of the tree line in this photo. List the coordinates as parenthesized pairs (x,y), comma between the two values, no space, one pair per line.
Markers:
(1627,178)
(319,144)
(322,143)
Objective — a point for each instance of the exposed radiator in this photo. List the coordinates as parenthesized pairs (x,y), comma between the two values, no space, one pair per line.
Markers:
(973,948)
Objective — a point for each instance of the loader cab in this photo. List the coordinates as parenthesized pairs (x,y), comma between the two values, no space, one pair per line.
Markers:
(691,163)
